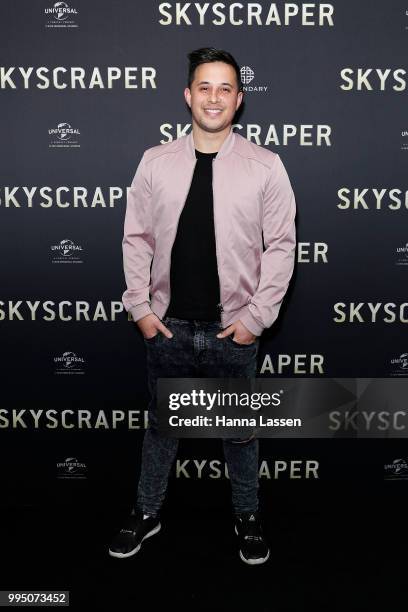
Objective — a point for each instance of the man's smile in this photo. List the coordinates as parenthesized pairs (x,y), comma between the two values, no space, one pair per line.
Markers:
(213,111)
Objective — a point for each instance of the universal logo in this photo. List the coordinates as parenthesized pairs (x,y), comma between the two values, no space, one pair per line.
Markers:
(61,15)
(402,255)
(400,365)
(404,134)
(69,363)
(66,252)
(397,470)
(71,468)
(247,76)
(64,136)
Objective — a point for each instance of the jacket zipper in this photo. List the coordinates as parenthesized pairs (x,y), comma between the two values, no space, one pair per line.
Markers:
(174,237)
(219,306)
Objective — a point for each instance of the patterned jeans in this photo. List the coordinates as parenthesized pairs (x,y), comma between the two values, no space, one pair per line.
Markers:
(194,351)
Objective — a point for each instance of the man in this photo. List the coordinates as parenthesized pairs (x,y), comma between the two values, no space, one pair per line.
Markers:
(208,253)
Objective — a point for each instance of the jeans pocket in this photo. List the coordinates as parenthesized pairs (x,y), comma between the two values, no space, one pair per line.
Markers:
(152,339)
(241,346)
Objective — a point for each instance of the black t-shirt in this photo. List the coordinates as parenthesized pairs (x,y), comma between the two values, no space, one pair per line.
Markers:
(194,283)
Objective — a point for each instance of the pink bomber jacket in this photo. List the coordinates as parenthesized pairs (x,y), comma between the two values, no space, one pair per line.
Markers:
(254,221)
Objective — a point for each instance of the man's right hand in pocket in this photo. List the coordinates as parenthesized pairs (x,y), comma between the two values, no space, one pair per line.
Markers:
(150,326)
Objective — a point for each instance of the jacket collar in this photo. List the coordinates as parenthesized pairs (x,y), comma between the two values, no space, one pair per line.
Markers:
(225,148)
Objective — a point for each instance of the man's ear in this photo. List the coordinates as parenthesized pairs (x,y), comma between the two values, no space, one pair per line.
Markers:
(239,99)
(187,96)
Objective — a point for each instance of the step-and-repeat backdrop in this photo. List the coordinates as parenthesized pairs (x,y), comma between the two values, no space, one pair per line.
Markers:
(85,88)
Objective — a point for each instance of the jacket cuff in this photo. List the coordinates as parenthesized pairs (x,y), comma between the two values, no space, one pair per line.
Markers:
(251,323)
(140,311)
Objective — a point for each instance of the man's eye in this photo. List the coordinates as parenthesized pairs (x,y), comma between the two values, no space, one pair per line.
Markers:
(223,89)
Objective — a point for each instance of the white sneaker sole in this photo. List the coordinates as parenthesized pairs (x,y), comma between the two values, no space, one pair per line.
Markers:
(252,561)
(132,552)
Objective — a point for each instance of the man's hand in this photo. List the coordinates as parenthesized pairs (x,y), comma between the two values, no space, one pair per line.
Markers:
(242,335)
(150,326)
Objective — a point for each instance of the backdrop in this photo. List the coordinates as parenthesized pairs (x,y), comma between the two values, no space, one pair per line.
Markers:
(85,88)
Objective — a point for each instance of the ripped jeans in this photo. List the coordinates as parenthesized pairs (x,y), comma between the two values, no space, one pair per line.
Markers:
(194,351)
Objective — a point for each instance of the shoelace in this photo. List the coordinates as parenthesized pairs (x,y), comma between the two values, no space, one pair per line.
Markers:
(129,526)
(253,527)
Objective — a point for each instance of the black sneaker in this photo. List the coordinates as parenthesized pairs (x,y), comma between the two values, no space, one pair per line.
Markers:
(253,548)
(136,528)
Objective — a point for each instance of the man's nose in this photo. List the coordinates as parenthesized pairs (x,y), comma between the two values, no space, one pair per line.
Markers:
(214,95)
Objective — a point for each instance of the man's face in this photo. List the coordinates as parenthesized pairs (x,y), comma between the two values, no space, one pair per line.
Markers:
(213,96)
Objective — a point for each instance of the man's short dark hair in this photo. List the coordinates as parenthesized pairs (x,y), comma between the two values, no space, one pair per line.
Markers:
(210,54)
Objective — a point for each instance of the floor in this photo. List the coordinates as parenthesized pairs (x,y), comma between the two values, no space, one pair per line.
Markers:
(339,548)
